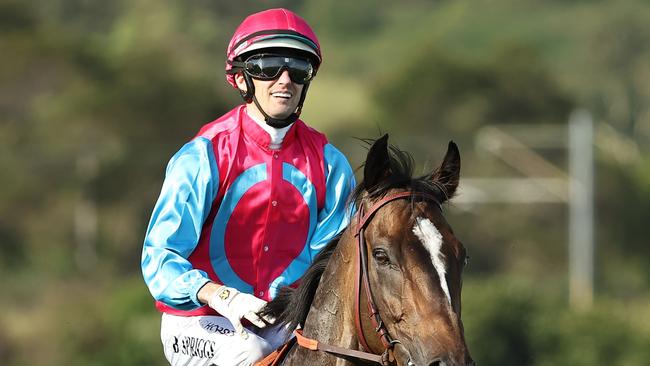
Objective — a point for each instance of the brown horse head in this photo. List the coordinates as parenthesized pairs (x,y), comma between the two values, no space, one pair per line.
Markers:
(415,261)
(414,264)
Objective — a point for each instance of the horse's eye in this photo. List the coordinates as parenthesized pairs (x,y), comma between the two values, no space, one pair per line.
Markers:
(380,256)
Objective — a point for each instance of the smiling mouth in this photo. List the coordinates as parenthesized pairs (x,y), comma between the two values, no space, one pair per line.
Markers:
(283,95)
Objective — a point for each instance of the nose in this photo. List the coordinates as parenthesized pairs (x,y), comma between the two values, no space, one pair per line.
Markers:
(284,77)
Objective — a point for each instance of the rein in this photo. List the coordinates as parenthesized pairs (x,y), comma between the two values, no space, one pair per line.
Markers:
(387,357)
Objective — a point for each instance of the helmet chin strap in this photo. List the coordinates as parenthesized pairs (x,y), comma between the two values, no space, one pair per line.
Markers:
(249,96)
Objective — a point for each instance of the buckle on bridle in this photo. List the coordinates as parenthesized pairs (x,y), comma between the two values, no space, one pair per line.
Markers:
(380,326)
(387,357)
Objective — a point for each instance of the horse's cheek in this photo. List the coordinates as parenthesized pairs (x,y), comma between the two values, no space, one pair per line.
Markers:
(392,286)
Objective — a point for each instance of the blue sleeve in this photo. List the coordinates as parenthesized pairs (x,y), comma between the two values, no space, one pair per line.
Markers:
(191,183)
(335,215)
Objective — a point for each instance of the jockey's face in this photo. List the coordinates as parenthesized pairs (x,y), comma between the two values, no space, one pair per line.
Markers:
(278,98)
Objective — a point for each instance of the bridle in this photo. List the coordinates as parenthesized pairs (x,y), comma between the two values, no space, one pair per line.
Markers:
(363,282)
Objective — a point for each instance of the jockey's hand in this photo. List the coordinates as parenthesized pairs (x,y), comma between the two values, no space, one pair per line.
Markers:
(235,305)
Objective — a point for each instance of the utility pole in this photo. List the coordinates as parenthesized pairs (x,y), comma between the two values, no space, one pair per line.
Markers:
(544,182)
(581,211)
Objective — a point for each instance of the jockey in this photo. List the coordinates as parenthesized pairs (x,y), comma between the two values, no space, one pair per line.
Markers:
(246,204)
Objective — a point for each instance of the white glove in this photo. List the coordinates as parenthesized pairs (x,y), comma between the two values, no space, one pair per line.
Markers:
(235,305)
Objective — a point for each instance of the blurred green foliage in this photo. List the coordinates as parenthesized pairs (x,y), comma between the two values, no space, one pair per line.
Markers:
(96,96)
(512,325)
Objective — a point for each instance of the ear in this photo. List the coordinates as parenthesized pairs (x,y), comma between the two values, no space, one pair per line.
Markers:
(448,173)
(377,166)
(240,81)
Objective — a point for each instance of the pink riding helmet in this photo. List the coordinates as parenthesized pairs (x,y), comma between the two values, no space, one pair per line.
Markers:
(269,29)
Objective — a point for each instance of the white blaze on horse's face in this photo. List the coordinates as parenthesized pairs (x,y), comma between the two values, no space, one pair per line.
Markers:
(431,238)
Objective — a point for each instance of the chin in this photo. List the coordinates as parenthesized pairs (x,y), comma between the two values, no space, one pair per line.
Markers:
(281,115)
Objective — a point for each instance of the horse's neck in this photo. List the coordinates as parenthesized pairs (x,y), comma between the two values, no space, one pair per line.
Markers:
(331,316)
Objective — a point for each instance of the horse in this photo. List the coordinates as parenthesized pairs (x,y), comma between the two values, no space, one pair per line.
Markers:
(387,290)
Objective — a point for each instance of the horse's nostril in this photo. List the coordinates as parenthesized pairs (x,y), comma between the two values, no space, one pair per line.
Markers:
(440,362)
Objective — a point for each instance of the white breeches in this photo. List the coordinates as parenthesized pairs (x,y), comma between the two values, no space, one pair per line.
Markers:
(211,340)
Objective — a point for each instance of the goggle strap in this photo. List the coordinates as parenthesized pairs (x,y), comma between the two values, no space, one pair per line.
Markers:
(236,65)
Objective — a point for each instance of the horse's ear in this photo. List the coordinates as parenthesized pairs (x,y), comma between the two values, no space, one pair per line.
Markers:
(377,166)
(448,173)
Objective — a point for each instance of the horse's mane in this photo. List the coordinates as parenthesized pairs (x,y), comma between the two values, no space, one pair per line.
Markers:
(291,306)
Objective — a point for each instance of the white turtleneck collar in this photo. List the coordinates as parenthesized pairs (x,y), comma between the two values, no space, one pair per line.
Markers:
(277,134)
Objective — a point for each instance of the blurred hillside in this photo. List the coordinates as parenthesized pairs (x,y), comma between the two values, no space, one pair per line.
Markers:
(96,96)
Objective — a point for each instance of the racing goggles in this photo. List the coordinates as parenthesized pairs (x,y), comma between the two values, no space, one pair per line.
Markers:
(270,67)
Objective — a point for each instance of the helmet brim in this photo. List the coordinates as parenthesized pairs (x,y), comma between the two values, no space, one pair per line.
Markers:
(280,42)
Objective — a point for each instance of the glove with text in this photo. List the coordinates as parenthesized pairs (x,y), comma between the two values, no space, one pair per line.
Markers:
(235,305)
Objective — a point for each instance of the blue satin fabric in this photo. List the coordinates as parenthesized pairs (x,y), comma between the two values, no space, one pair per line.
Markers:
(191,183)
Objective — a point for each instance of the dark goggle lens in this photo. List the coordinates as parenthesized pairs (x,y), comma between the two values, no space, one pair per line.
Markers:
(269,67)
